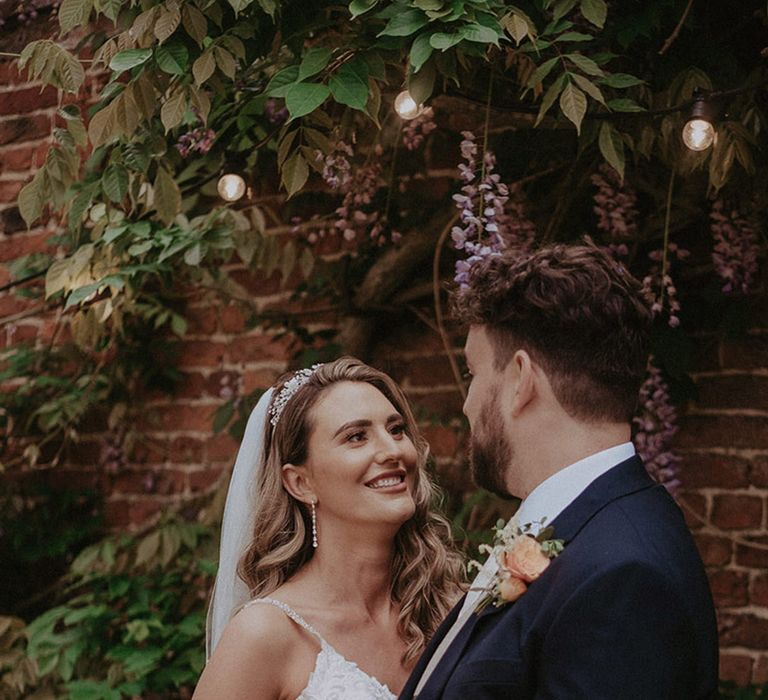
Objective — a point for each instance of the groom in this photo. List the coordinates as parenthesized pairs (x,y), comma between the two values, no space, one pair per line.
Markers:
(557,349)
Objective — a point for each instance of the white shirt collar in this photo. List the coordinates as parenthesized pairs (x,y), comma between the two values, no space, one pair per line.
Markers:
(553,495)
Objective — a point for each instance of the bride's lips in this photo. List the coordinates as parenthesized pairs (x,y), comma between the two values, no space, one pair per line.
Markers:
(389,482)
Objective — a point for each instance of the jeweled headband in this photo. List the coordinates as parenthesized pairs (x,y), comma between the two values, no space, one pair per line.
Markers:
(295,383)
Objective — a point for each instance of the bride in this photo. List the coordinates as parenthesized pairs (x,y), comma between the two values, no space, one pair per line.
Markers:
(344,571)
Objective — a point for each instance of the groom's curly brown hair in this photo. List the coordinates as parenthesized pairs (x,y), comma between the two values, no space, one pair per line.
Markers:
(578,313)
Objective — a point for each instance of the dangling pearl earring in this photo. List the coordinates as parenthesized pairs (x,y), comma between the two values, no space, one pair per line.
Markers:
(314,525)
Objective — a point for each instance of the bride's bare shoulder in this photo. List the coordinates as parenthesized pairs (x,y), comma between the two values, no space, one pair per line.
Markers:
(262,623)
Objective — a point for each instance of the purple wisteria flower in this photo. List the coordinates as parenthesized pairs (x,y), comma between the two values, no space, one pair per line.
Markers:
(198,140)
(275,113)
(489,221)
(616,209)
(736,247)
(416,130)
(655,427)
(660,288)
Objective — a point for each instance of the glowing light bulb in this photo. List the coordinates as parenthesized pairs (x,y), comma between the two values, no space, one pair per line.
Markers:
(698,134)
(231,187)
(406,107)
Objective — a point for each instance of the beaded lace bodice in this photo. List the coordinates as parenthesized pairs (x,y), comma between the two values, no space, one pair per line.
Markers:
(334,677)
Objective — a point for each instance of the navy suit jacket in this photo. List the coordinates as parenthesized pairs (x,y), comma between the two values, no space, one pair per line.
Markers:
(624,611)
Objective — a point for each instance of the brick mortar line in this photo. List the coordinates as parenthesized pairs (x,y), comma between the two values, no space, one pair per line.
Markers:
(755,372)
(759,611)
(720,412)
(746,452)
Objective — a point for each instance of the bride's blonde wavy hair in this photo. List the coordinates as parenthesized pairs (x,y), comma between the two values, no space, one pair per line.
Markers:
(427,571)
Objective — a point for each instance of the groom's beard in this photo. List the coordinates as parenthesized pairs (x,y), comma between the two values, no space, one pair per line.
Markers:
(490,453)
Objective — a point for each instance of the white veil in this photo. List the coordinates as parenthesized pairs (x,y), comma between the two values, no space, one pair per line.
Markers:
(230,591)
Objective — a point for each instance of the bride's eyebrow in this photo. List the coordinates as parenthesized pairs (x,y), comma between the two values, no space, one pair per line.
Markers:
(365,423)
(362,423)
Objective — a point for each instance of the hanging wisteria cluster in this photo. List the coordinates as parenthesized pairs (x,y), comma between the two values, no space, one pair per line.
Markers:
(659,286)
(655,428)
(416,130)
(198,140)
(489,220)
(357,218)
(616,209)
(736,248)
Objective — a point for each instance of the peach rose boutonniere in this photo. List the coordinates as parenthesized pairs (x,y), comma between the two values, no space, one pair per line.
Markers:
(522,557)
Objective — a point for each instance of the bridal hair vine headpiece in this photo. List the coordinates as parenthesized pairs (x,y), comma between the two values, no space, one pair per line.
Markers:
(295,383)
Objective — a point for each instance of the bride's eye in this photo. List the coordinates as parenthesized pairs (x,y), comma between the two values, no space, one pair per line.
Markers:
(357,436)
(398,429)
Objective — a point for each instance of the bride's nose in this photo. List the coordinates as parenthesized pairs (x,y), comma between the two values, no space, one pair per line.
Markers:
(389,448)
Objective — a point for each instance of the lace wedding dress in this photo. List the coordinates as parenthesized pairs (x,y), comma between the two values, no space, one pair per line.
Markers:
(334,677)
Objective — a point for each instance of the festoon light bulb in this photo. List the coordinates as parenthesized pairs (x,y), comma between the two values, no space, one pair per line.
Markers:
(231,187)
(406,107)
(699,131)
(698,134)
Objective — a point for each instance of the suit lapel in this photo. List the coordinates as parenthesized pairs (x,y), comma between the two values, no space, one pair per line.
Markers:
(421,664)
(625,478)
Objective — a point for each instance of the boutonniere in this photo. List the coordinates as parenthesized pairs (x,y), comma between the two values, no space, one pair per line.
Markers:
(522,557)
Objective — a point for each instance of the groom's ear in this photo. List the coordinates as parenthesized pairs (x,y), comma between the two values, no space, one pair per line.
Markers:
(522,379)
(297,482)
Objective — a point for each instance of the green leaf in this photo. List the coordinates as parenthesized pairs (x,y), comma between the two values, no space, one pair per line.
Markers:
(517,25)
(32,198)
(349,85)
(222,416)
(625,105)
(479,34)
(115,182)
(74,13)
(294,173)
(173,109)
(167,196)
(621,80)
(225,61)
(562,8)
(313,62)
(550,96)
(281,81)
(585,64)
(421,50)
(172,58)
(405,23)
(129,58)
(612,147)
(589,87)
(359,7)
(443,41)
(147,548)
(573,102)
(195,23)
(303,98)
(575,36)
(57,277)
(203,67)
(239,5)
(422,83)
(167,22)
(268,6)
(594,11)
(542,72)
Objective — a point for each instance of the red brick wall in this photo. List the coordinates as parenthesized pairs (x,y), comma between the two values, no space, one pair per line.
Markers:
(724,435)
(724,441)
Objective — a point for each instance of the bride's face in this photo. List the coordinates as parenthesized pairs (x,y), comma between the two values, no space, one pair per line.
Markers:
(361,462)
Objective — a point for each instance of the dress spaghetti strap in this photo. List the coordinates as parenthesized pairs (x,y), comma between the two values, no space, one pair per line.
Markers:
(290,612)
